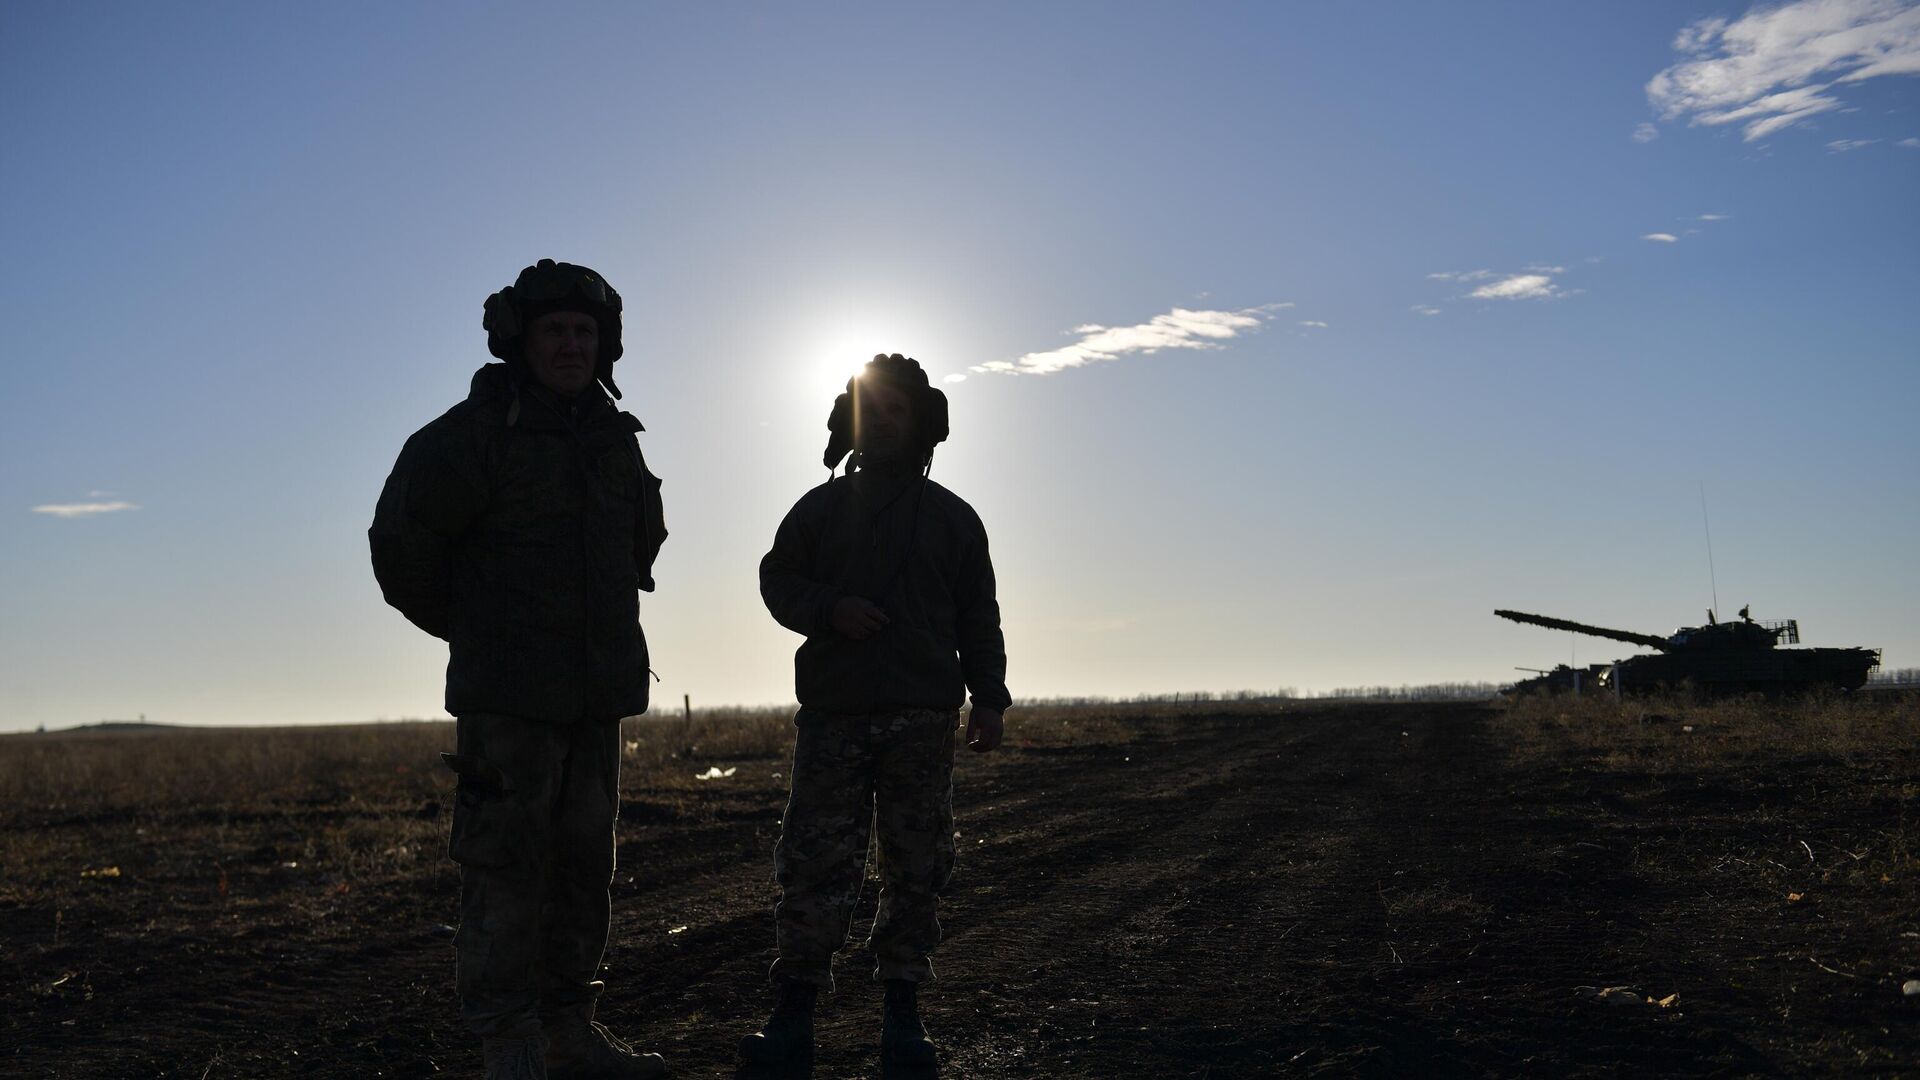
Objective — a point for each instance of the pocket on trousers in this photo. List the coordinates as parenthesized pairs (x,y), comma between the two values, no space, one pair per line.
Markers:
(490,827)
(482,830)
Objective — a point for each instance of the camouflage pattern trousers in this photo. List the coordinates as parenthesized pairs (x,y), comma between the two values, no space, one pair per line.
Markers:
(890,772)
(533,834)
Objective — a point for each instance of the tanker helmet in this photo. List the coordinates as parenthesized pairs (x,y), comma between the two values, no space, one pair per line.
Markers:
(903,373)
(546,287)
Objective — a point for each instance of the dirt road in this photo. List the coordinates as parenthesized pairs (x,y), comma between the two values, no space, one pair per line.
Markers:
(1330,890)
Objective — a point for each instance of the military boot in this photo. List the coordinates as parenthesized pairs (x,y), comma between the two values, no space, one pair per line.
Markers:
(516,1059)
(903,1039)
(783,1048)
(583,1049)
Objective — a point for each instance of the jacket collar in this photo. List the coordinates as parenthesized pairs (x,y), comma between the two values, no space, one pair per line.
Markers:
(530,405)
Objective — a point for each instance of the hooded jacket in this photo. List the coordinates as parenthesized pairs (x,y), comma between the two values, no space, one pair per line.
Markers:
(919,552)
(518,527)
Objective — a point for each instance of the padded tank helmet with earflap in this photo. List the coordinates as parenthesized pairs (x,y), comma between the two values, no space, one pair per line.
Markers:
(549,286)
(903,373)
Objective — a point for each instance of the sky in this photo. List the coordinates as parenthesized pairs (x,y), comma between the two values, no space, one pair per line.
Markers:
(1284,341)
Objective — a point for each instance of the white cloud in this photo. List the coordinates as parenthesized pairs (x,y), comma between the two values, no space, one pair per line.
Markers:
(1662,237)
(1780,64)
(1841,146)
(956,377)
(1645,133)
(1461,275)
(1542,268)
(85,509)
(1714,217)
(1519,287)
(1180,328)
(1314,323)
(1911,144)
(1425,309)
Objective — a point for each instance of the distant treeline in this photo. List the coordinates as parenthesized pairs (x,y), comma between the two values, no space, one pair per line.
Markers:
(1900,676)
(1454,691)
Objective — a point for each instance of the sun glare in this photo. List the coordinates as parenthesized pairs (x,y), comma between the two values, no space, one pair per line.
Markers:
(844,349)
(835,339)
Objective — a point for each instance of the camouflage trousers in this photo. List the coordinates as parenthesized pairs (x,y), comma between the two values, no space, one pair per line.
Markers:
(885,772)
(533,834)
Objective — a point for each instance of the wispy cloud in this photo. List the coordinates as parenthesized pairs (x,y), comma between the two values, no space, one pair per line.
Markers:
(83,509)
(1536,281)
(1424,309)
(1661,237)
(1778,65)
(1911,144)
(1714,217)
(1315,323)
(1519,287)
(1841,146)
(1180,328)
(1645,133)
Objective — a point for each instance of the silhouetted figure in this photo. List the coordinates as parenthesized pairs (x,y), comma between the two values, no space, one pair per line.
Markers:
(518,526)
(887,575)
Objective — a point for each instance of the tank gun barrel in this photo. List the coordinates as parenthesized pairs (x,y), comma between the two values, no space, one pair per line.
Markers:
(1651,641)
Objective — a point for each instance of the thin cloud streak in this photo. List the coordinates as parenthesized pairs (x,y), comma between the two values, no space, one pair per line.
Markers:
(1519,287)
(1776,66)
(85,509)
(1661,237)
(1535,281)
(1180,328)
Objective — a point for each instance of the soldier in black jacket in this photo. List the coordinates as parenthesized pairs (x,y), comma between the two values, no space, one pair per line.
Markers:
(518,527)
(887,575)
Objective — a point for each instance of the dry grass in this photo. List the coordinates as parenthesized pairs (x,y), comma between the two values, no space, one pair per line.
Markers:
(1680,730)
(65,775)
(225,770)
(1779,755)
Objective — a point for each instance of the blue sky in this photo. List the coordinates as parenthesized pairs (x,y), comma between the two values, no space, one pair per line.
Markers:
(1449,369)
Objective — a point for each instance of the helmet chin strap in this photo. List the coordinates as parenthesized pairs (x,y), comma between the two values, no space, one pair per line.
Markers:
(857,462)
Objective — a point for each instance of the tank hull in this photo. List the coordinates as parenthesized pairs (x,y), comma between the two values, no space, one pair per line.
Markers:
(1770,671)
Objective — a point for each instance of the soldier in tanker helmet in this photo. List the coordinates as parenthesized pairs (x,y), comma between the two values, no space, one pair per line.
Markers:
(886,573)
(518,527)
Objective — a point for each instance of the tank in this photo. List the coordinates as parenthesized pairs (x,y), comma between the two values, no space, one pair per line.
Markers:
(1733,657)
(1561,680)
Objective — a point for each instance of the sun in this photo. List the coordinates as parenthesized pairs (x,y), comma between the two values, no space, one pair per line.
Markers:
(842,348)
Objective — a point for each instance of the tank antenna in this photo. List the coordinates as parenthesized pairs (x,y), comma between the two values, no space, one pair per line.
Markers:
(1705,524)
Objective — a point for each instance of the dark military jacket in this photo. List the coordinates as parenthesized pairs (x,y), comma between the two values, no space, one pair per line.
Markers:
(518,527)
(919,552)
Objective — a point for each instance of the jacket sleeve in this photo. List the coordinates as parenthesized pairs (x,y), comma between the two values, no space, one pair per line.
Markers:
(650,530)
(431,498)
(798,602)
(983,649)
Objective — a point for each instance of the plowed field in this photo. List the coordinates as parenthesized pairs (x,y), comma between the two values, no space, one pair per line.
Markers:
(1390,890)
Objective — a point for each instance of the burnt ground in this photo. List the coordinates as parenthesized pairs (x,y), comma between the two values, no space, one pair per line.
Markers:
(1393,890)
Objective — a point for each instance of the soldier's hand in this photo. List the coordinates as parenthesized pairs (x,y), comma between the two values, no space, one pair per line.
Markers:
(984,728)
(857,618)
